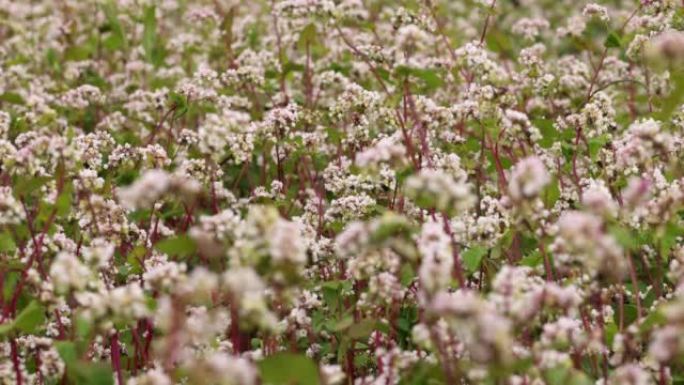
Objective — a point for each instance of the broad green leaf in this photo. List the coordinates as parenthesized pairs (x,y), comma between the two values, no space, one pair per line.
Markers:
(308,36)
(83,327)
(668,237)
(548,131)
(612,41)
(430,77)
(52,59)
(116,39)
(391,224)
(407,274)
(30,318)
(28,185)
(473,257)
(631,314)
(532,260)
(149,40)
(675,98)
(362,329)
(343,324)
(91,373)
(67,351)
(596,144)
(12,98)
(610,330)
(624,237)
(562,375)
(6,328)
(551,193)
(653,319)
(134,257)
(63,202)
(288,369)
(180,103)
(7,243)
(181,245)
(423,373)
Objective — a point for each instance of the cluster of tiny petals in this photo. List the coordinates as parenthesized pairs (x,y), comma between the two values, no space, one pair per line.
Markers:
(341,192)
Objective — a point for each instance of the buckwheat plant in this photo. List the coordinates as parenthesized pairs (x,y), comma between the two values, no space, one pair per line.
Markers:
(341,192)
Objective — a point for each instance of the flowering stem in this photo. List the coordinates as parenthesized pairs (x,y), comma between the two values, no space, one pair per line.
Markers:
(116,357)
(15,361)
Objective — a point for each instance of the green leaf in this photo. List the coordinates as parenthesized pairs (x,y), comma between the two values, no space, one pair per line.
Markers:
(596,144)
(532,260)
(668,237)
(30,318)
(91,374)
(551,193)
(423,373)
(613,41)
(430,77)
(63,202)
(308,36)
(7,243)
(610,330)
(653,319)
(81,52)
(624,237)
(67,351)
(561,375)
(6,328)
(343,324)
(473,257)
(154,51)
(391,224)
(407,274)
(27,185)
(180,104)
(181,245)
(362,329)
(134,257)
(227,27)
(557,375)
(116,39)
(331,294)
(288,369)
(548,131)
(84,326)
(12,98)
(675,98)
(630,312)
(52,59)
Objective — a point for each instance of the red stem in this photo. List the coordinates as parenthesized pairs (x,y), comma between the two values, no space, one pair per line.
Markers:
(15,361)
(116,357)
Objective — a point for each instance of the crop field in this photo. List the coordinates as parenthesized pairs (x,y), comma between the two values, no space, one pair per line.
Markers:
(341,192)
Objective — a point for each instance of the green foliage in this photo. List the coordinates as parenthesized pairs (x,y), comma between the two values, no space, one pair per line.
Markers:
(7,244)
(562,375)
(613,41)
(154,50)
(288,369)
(27,321)
(473,257)
(182,246)
(424,374)
(675,97)
(116,39)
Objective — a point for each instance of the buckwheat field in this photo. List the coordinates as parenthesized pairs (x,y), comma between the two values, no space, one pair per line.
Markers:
(341,192)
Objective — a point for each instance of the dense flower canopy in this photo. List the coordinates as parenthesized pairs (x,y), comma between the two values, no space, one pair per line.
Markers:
(329,192)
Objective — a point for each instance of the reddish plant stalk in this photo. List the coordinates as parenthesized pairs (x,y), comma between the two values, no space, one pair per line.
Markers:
(116,357)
